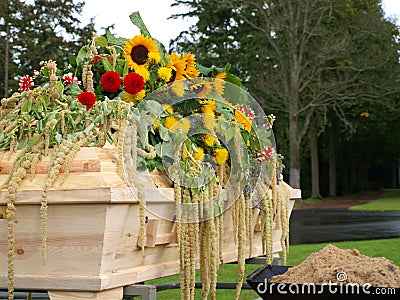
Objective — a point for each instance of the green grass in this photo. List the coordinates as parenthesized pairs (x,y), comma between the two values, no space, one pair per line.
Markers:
(389,202)
(375,248)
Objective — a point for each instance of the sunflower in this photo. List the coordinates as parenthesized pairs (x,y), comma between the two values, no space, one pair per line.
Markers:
(208,109)
(208,116)
(243,120)
(177,65)
(219,83)
(139,49)
(202,88)
(190,69)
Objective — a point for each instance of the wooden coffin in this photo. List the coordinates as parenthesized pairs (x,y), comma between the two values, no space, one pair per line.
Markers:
(93,228)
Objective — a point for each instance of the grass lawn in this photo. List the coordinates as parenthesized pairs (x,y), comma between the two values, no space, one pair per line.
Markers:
(375,248)
(389,202)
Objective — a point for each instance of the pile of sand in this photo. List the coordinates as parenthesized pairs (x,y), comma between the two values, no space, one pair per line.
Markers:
(335,265)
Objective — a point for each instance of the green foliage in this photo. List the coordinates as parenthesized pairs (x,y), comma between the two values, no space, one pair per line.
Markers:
(41,30)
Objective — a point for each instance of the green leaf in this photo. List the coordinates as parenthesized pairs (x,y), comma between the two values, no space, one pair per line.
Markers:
(33,142)
(106,109)
(136,19)
(59,86)
(164,133)
(72,60)
(101,41)
(106,64)
(73,90)
(126,69)
(112,40)
(151,106)
(82,54)
(88,129)
(213,70)
(225,110)
(233,79)
(27,106)
(203,70)
(165,150)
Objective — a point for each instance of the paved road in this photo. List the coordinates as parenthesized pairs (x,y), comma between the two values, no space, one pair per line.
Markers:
(317,226)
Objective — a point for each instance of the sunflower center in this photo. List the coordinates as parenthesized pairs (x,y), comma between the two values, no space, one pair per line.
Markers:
(139,54)
(173,76)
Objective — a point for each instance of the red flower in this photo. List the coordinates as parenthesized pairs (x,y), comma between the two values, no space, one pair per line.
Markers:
(134,83)
(25,83)
(265,155)
(111,81)
(87,98)
(96,58)
(70,78)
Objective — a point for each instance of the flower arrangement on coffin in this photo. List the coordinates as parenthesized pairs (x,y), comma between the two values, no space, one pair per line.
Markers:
(163,112)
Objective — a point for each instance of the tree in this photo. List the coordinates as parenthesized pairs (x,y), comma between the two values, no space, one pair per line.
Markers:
(366,75)
(10,21)
(302,58)
(43,30)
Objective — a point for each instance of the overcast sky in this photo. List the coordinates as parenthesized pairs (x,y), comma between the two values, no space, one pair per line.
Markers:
(155,14)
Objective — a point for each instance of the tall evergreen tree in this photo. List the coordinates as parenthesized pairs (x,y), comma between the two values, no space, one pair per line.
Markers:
(42,30)
(11,20)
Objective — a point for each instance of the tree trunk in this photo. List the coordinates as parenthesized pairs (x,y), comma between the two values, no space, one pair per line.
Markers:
(294,153)
(363,173)
(294,136)
(332,161)
(354,174)
(344,163)
(314,164)
(6,62)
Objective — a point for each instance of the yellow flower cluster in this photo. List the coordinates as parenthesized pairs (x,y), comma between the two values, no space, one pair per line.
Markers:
(209,140)
(175,125)
(164,73)
(221,155)
(199,154)
(134,98)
